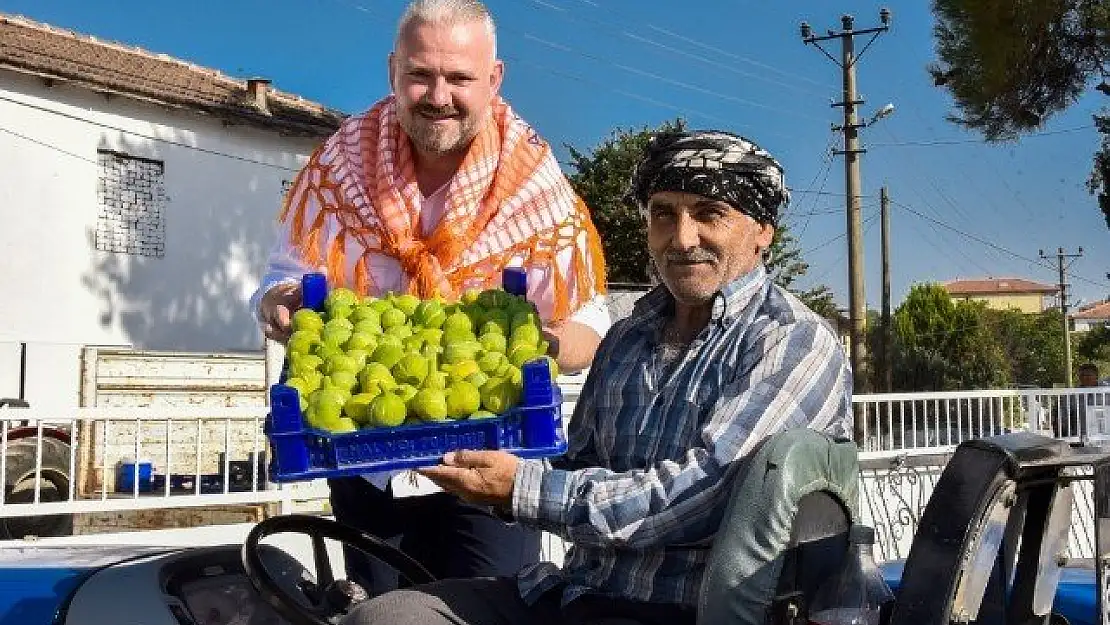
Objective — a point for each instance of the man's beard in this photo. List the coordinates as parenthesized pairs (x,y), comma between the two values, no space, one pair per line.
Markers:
(429,137)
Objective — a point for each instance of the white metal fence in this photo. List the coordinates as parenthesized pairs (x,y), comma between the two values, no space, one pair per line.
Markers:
(209,456)
(196,457)
(899,421)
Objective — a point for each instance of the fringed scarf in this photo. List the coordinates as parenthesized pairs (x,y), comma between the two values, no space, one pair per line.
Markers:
(509,200)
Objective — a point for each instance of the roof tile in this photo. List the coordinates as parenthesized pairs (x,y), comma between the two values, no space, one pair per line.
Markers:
(1001,286)
(34,48)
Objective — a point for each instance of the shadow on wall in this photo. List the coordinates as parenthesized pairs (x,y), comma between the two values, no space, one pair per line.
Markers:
(184,286)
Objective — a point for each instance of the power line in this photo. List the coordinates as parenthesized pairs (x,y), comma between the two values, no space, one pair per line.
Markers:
(946,252)
(660,78)
(972,182)
(990,244)
(622,67)
(826,161)
(958,212)
(685,110)
(827,211)
(924,235)
(731,55)
(824,181)
(988,159)
(830,193)
(628,94)
(837,237)
(47,145)
(144,136)
(973,237)
(924,143)
(869,223)
(744,59)
(613,28)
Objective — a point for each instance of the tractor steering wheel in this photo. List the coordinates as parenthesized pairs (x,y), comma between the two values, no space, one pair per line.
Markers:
(333,597)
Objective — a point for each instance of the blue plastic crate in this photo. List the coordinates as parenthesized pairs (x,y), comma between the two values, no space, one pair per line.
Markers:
(532,429)
(125,476)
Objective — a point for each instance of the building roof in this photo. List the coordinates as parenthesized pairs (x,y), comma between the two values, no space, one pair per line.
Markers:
(1101,310)
(998,286)
(38,49)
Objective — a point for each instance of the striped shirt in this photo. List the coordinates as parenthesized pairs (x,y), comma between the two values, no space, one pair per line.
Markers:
(652,448)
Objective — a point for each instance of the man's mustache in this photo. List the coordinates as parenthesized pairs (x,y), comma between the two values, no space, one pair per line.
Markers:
(433,111)
(691,256)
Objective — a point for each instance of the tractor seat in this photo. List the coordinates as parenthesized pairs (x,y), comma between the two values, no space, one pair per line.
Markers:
(785,530)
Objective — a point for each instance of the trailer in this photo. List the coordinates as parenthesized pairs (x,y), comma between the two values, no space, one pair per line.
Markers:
(61,461)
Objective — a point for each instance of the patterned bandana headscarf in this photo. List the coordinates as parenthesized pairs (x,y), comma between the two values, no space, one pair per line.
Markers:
(717,165)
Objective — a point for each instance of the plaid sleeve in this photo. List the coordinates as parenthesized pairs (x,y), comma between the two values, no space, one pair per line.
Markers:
(798,380)
(581,453)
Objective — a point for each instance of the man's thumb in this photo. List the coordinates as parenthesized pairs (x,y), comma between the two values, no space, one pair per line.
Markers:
(283,315)
(466,458)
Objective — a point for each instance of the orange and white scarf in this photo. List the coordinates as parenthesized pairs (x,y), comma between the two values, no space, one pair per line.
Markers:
(508,201)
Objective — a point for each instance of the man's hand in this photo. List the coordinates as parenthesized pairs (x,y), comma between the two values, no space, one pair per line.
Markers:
(276,311)
(481,477)
(573,345)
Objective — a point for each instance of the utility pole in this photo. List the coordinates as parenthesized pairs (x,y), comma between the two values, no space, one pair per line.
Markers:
(888,375)
(1062,267)
(857,304)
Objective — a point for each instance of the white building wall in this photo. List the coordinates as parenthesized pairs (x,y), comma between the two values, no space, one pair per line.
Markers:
(223,186)
(1086,325)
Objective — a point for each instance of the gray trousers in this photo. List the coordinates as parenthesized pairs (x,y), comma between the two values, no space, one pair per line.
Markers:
(496,601)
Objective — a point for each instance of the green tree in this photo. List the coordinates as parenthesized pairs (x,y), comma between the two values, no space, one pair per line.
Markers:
(1093,346)
(786,266)
(1033,344)
(601,176)
(874,349)
(941,345)
(1010,65)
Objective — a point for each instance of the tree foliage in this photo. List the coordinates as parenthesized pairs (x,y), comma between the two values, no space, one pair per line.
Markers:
(1010,65)
(1099,182)
(941,345)
(1093,346)
(786,266)
(601,176)
(1033,345)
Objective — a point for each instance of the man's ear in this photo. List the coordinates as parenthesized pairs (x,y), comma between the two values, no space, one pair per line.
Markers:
(389,63)
(765,236)
(497,75)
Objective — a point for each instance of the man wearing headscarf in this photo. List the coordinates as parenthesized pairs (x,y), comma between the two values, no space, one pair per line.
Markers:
(711,362)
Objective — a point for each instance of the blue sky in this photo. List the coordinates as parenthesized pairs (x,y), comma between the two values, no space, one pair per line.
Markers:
(577,69)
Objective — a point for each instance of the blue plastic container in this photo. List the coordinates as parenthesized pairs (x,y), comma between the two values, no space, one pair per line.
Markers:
(125,477)
(532,429)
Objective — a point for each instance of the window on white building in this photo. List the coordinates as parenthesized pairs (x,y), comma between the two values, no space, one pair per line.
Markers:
(132,198)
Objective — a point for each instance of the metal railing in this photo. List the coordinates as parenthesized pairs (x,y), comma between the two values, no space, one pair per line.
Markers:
(91,459)
(901,421)
(97,460)
(894,490)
